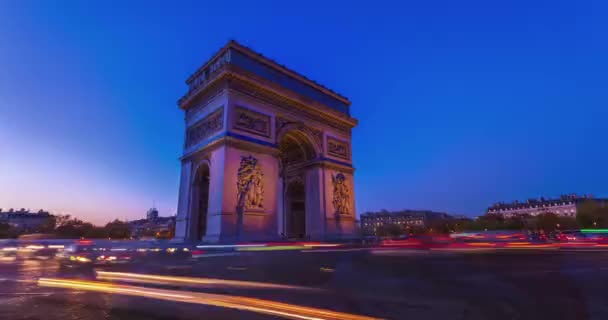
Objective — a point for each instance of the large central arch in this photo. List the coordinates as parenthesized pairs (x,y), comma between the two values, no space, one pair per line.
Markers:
(297,151)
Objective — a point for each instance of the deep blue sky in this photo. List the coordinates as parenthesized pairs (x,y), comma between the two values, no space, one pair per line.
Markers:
(460,103)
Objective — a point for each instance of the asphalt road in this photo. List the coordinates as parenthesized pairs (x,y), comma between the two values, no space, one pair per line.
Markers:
(394,284)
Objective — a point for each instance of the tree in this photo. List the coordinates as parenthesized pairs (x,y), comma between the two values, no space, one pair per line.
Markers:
(489,222)
(567,223)
(6,231)
(381,231)
(48,226)
(394,230)
(515,223)
(118,229)
(96,233)
(68,227)
(591,215)
(389,230)
(62,219)
(547,221)
(442,226)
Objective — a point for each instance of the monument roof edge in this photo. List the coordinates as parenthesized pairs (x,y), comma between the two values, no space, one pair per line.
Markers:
(263,59)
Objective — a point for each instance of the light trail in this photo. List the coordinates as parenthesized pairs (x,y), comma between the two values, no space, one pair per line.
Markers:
(158,279)
(273,248)
(335,250)
(228,246)
(277,246)
(280,309)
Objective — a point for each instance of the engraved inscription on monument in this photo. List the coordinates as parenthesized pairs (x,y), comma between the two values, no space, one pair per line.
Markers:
(206,127)
(337,148)
(252,121)
(203,75)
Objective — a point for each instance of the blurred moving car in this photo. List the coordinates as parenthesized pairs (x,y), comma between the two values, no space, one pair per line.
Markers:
(572,236)
(77,255)
(8,250)
(537,237)
(85,254)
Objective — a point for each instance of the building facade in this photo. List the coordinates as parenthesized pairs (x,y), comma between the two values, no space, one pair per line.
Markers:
(152,214)
(152,225)
(565,205)
(267,154)
(25,221)
(406,219)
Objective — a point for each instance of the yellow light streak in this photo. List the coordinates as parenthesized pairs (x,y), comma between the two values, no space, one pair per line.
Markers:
(321,245)
(150,278)
(280,309)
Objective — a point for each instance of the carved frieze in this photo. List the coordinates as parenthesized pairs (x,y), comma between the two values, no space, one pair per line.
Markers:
(252,121)
(209,125)
(341,197)
(203,99)
(281,122)
(284,104)
(317,135)
(250,184)
(337,148)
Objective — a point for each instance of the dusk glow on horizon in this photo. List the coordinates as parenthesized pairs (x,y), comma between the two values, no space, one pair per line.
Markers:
(460,104)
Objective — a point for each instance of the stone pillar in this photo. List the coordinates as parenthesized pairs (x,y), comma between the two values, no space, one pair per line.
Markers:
(182,220)
(315,210)
(280,207)
(215,211)
(257,223)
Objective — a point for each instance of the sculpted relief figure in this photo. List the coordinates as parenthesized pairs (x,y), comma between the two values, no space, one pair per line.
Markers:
(250,184)
(341,199)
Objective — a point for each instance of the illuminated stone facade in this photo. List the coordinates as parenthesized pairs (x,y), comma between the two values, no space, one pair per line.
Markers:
(267,154)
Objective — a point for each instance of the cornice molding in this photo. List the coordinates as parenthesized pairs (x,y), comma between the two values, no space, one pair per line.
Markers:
(294,98)
(225,139)
(235,79)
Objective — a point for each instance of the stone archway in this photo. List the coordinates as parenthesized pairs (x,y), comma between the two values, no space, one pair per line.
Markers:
(296,152)
(200,201)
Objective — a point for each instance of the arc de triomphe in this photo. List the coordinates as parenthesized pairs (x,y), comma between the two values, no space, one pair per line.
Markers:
(267,154)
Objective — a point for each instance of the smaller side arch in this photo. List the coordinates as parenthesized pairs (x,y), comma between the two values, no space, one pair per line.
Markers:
(199,205)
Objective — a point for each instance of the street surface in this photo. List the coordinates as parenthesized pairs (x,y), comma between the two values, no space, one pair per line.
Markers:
(390,284)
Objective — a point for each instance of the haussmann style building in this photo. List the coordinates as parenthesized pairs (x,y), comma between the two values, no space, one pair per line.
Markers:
(267,154)
(565,205)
